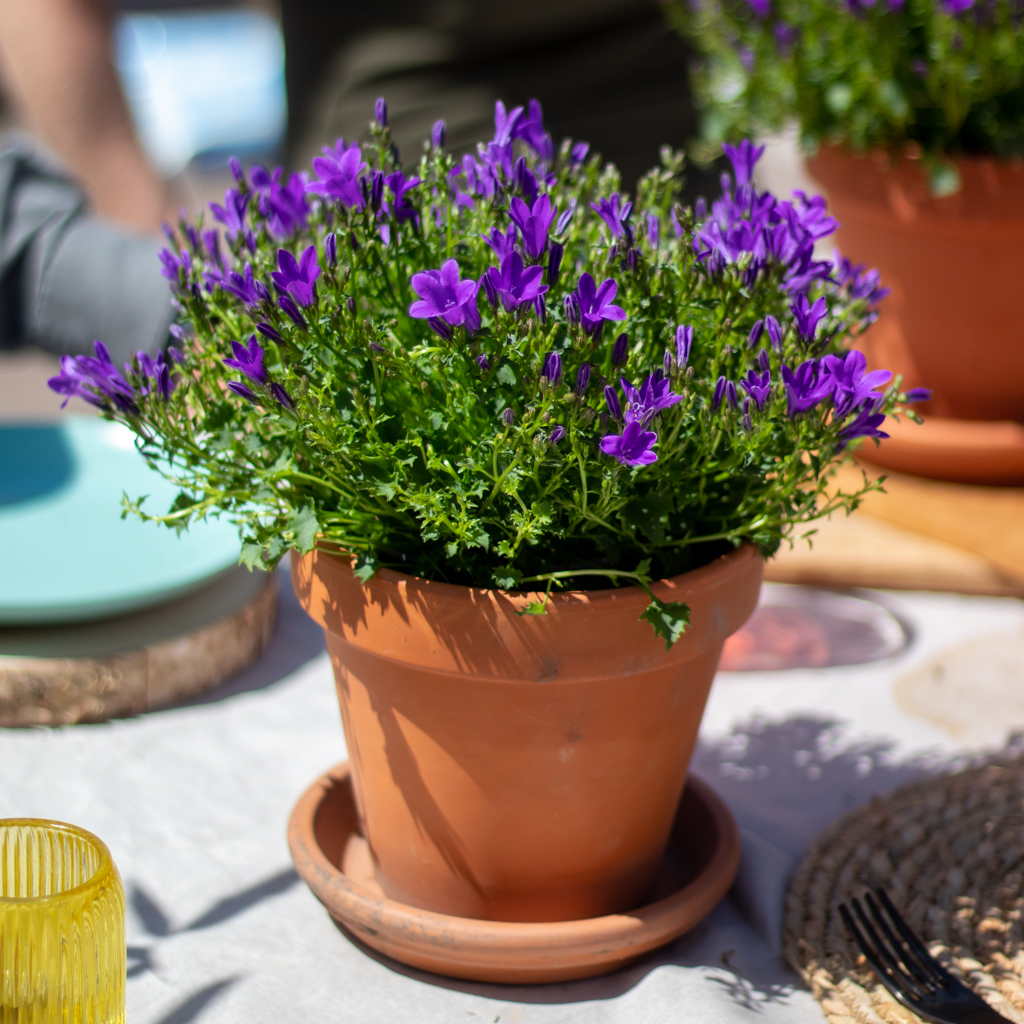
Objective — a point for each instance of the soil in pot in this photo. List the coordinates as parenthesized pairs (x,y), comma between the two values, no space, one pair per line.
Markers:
(518,767)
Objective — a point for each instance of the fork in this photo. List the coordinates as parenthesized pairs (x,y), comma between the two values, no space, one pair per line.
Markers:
(914,977)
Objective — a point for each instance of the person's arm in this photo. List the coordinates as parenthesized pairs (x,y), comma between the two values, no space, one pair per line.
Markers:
(56,65)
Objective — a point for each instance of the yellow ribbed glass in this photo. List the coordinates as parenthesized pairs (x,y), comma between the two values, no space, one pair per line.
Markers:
(62,942)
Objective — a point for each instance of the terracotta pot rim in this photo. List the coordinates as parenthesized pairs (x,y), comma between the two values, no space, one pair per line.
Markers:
(562,950)
(626,594)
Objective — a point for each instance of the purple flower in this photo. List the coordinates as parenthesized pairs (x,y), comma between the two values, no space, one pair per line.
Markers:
(245,287)
(556,435)
(298,276)
(483,362)
(620,350)
(955,7)
(551,371)
(724,389)
(684,342)
(514,285)
(235,166)
(523,181)
(284,206)
(654,396)
(579,152)
(850,386)
(755,334)
(502,244)
(504,123)
(240,389)
(632,447)
(292,311)
(232,213)
(808,316)
(595,304)
(380,112)
(555,253)
(758,386)
(582,379)
(96,380)
(615,217)
(611,398)
(331,249)
(743,157)
(404,210)
(785,36)
(444,296)
(249,360)
(917,395)
(865,425)
(175,267)
(805,387)
(338,171)
(158,371)
(438,134)
(533,223)
(531,130)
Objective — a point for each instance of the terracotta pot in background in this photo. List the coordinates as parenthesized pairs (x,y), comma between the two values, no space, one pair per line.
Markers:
(955,319)
(519,768)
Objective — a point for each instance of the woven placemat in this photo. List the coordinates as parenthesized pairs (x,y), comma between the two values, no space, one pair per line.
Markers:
(949,850)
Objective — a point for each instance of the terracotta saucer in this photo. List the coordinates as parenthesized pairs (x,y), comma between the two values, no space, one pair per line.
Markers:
(962,451)
(334,860)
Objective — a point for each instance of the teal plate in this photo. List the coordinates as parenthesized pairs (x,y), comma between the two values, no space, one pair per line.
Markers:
(66,555)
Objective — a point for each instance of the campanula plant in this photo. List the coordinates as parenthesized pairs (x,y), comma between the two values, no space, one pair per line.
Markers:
(500,371)
(944,77)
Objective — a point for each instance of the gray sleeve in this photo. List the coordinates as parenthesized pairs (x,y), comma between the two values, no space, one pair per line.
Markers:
(66,276)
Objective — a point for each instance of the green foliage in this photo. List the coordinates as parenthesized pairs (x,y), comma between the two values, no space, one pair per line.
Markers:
(864,75)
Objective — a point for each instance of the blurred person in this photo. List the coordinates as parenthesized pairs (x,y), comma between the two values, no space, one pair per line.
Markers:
(68,274)
(609,72)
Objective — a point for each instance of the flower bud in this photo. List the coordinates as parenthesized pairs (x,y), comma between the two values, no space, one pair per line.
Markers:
(508,417)
(633,258)
(612,399)
(374,347)
(762,360)
(483,362)
(582,379)
(350,304)
(438,134)
(572,311)
(552,369)
(331,249)
(540,308)
(718,394)
(579,152)
(755,334)
(236,169)
(554,262)
(556,435)
(774,332)
(281,395)
(380,112)
(620,350)
(684,342)
(440,327)
(269,332)
(490,291)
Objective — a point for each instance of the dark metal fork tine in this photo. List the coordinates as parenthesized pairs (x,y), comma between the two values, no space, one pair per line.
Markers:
(914,942)
(892,977)
(912,962)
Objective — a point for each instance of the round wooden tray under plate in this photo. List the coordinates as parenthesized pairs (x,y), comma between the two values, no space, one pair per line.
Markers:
(91,671)
(335,862)
(961,451)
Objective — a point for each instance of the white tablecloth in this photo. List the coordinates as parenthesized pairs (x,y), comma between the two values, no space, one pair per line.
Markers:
(193,803)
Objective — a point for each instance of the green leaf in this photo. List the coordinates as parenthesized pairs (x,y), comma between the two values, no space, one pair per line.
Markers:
(669,619)
(534,608)
(252,555)
(364,566)
(305,527)
(649,514)
(505,374)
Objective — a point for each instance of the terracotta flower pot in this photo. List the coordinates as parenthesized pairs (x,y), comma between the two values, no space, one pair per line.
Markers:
(517,767)
(955,319)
